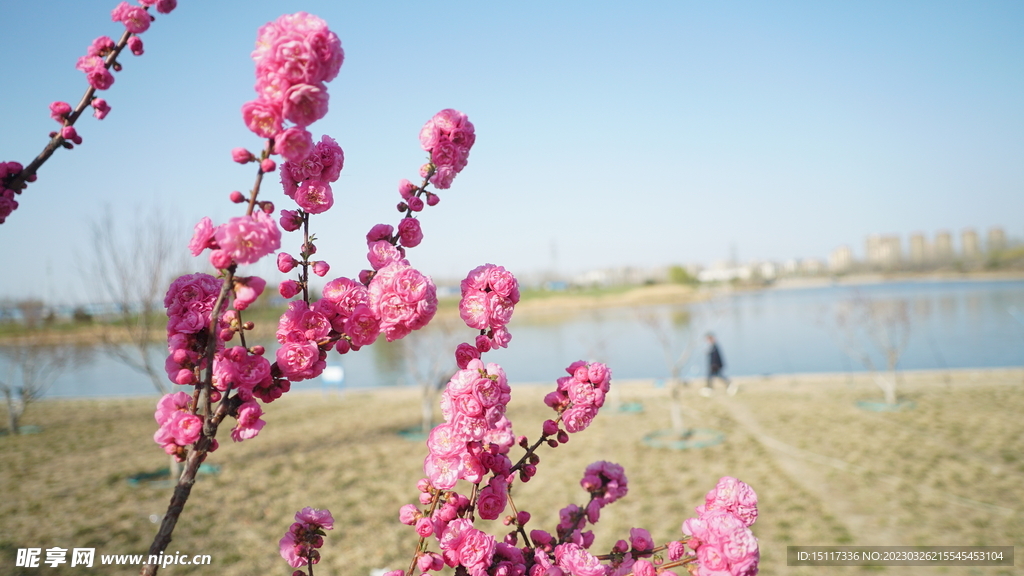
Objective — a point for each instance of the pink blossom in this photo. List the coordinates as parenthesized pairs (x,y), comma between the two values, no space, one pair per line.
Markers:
(202,237)
(101,46)
(606,481)
(300,360)
(345,294)
(294,143)
(241,155)
(249,238)
(220,259)
(408,514)
(641,540)
(183,427)
(100,108)
(383,253)
(379,232)
(59,111)
(291,220)
(315,518)
(314,196)
(443,471)
(249,422)
(409,232)
(135,18)
(99,77)
(166,6)
(305,103)
(262,117)
(424,527)
(247,290)
(406,189)
(493,499)
(643,568)
(88,62)
(289,288)
(736,497)
(321,268)
(573,559)
(135,45)
(332,158)
(464,353)
(362,326)
(285,262)
(169,404)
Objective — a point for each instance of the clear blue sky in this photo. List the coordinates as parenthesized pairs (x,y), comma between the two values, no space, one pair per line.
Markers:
(648,134)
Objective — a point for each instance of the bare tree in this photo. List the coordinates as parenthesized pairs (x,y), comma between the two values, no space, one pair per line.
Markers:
(32,366)
(134,264)
(430,361)
(883,326)
(676,356)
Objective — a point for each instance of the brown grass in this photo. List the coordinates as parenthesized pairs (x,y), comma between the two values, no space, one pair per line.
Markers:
(949,472)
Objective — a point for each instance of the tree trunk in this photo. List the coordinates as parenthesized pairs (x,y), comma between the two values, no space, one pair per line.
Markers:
(675,409)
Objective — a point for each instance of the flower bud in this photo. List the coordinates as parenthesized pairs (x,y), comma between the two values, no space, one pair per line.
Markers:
(550,428)
(432,199)
(268,165)
(321,268)
(242,156)
(237,197)
(289,288)
(285,262)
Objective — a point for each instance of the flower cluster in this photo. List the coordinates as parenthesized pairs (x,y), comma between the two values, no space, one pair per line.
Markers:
(580,395)
(721,534)
(189,303)
(308,181)
(476,436)
(295,55)
(300,332)
(240,240)
(489,296)
(8,204)
(179,426)
(402,298)
(300,543)
(447,136)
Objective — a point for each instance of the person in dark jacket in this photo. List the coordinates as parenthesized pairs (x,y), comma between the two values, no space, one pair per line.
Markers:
(715,366)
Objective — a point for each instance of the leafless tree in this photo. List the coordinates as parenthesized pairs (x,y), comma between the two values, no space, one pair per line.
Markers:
(676,353)
(875,325)
(134,264)
(32,366)
(430,362)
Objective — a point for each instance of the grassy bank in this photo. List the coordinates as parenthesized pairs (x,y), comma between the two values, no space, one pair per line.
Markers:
(950,471)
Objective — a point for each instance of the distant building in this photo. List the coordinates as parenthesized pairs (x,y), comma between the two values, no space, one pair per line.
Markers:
(969,243)
(811,266)
(918,248)
(841,259)
(883,251)
(996,240)
(943,246)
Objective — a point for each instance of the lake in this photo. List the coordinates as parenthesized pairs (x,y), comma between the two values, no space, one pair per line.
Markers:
(936,324)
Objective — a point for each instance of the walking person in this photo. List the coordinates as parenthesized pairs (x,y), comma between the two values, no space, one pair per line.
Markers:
(715,366)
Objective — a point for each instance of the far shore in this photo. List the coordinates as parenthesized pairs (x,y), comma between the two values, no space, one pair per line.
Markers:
(552,303)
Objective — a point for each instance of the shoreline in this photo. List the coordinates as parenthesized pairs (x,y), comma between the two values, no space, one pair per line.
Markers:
(565,303)
(759,382)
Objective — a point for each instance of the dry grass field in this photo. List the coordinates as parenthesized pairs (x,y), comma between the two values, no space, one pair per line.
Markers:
(950,471)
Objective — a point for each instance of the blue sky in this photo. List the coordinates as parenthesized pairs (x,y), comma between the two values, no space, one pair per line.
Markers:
(649,134)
